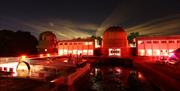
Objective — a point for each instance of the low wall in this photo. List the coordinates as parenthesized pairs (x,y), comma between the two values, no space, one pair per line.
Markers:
(70,79)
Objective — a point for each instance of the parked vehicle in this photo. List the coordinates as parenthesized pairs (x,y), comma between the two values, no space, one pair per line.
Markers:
(161,59)
(174,57)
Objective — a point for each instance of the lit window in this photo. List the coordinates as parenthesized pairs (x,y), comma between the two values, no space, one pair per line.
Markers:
(69,52)
(158,52)
(90,43)
(142,52)
(164,52)
(60,52)
(140,42)
(74,51)
(84,52)
(90,52)
(79,52)
(149,52)
(65,51)
(86,43)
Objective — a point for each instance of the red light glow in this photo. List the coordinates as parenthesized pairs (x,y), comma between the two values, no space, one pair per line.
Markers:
(48,55)
(41,55)
(23,57)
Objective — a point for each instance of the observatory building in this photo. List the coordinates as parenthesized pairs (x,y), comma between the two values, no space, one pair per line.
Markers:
(47,42)
(115,42)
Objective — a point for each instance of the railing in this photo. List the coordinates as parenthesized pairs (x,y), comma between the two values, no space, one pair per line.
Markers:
(8,59)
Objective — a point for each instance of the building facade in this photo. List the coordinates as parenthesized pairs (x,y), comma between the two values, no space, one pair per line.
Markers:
(157,46)
(76,47)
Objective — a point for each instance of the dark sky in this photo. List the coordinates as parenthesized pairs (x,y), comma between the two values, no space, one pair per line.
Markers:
(81,18)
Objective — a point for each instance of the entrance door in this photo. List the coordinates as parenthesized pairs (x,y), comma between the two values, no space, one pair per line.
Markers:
(114,52)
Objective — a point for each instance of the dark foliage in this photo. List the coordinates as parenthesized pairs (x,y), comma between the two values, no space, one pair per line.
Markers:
(132,35)
(99,39)
(17,43)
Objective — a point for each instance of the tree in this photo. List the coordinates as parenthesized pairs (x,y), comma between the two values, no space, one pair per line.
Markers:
(98,38)
(132,36)
(17,43)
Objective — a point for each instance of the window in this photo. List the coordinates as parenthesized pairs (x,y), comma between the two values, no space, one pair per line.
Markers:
(140,42)
(149,52)
(90,43)
(148,41)
(85,43)
(171,41)
(60,52)
(155,41)
(79,43)
(65,43)
(141,52)
(60,43)
(85,52)
(90,52)
(74,51)
(163,41)
(178,41)
(75,43)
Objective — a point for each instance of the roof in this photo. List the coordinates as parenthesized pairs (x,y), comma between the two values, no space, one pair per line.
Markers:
(77,40)
(114,29)
(158,37)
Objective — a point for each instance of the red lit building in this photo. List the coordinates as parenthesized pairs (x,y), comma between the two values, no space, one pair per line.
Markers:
(76,47)
(115,42)
(158,45)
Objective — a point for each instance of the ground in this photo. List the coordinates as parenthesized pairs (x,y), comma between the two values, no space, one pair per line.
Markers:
(155,77)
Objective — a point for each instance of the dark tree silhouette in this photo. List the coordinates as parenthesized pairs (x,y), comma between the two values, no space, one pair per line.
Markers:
(17,43)
(99,39)
(132,35)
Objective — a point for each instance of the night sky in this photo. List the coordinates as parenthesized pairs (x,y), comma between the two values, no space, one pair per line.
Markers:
(82,18)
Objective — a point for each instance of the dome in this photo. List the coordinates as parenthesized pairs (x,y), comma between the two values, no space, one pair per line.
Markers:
(47,42)
(115,36)
(47,35)
(115,42)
